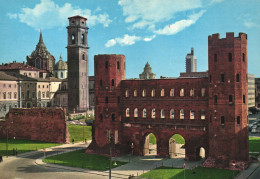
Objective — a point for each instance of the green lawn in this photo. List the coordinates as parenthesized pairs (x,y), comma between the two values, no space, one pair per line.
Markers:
(80,159)
(177,137)
(198,173)
(79,133)
(23,145)
(254,145)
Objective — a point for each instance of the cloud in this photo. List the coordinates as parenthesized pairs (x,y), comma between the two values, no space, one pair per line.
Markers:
(47,15)
(250,24)
(180,25)
(148,39)
(146,13)
(128,40)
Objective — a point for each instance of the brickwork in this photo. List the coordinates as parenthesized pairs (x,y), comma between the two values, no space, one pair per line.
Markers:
(209,112)
(42,124)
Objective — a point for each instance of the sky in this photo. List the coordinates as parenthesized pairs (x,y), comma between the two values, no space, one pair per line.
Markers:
(160,32)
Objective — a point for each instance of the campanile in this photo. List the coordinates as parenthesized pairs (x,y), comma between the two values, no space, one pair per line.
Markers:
(77,51)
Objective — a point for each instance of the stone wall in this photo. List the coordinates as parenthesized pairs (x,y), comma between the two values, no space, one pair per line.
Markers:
(42,124)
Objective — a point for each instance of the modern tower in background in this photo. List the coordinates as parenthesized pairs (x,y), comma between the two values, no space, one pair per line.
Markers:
(191,62)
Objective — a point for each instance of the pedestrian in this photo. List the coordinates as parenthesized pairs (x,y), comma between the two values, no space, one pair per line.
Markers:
(1,158)
(16,152)
(13,152)
(72,141)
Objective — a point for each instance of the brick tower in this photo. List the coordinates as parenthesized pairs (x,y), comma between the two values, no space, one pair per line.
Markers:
(77,51)
(228,129)
(109,71)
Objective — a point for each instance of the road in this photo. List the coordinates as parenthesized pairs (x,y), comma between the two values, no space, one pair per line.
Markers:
(24,166)
(256,174)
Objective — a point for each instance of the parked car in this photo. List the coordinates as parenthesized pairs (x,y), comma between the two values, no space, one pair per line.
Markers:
(254,129)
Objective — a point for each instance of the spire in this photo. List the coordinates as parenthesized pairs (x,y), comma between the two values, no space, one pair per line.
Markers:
(60,56)
(40,40)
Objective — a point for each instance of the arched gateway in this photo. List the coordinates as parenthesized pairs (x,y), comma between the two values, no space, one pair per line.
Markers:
(201,109)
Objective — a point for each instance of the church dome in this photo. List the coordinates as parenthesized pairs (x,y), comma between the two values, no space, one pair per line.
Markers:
(61,65)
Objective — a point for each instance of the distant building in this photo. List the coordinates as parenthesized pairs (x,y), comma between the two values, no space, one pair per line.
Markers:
(194,74)
(147,73)
(60,69)
(191,62)
(257,92)
(41,57)
(251,90)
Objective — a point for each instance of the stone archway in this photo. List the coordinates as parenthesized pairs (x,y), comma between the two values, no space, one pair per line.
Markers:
(177,146)
(200,153)
(150,144)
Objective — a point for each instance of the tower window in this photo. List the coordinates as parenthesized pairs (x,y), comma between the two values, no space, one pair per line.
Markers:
(162,113)
(244,58)
(172,92)
(244,99)
(144,113)
(83,39)
(83,56)
(118,65)
(106,99)
(135,93)
(203,90)
(203,114)
(113,117)
(112,82)
(153,92)
(192,92)
(153,113)
(238,78)
(172,113)
(73,39)
(162,92)
(222,78)
(127,112)
(182,114)
(106,66)
(100,117)
(230,99)
(126,93)
(222,120)
(238,120)
(182,92)
(215,99)
(100,83)
(135,112)
(215,57)
(230,57)
(144,93)
(192,114)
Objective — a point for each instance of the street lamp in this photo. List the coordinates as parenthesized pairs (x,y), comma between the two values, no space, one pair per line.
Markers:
(110,142)
(6,139)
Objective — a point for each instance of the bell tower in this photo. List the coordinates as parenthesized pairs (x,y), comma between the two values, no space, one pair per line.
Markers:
(77,51)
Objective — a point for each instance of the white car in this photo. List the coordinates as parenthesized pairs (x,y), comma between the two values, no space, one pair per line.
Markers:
(254,129)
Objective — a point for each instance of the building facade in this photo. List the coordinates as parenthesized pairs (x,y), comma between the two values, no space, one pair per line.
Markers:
(191,62)
(77,51)
(251,90)
(208,112)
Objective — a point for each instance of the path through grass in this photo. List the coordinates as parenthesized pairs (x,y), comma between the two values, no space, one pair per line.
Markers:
(81,160)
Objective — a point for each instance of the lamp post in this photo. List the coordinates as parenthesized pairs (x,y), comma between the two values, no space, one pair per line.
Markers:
(110,142)
(6,139)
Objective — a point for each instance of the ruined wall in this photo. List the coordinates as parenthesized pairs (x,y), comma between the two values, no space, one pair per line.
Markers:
(42,124)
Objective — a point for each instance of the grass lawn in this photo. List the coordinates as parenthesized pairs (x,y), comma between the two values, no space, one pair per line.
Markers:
(79,133)
(80,159)
(23,145)
(177,137)
(198,173)
(254,145)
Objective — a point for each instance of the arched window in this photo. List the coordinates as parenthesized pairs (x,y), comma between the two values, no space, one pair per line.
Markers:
(83,56)
(135,112)
(182,114)
(203,90)
(222,120)
(172,114)
(48,94)
(182,92)
(172,92)
(39,94)
(83,39)
(153,113)
(238,79)
(192,114)
(144,113)
(73,39)
(162,92)
(162,113)
(192,92)
(61,74)
(135,93)
(112,83)
(203,114)
(113,117)
(126,93)
(238,120)
(153,92)
(144,93)
(127,112)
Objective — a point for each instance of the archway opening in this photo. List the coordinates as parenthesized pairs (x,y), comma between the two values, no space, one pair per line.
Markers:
(150,145)
(177,146)
(200,153)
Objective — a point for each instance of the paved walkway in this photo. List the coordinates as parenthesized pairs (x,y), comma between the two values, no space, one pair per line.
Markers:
(249,171)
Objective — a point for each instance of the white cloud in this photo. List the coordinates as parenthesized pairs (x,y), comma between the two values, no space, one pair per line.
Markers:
(180,25)
(146,13)
(250,24)
(110,43)
(148,39)
(127,40)
(47,14)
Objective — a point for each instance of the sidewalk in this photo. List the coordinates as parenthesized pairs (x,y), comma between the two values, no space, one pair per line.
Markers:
(249,171)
